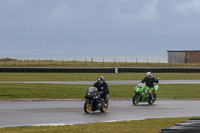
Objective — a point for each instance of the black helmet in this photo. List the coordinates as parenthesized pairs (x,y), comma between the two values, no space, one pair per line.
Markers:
(100,80)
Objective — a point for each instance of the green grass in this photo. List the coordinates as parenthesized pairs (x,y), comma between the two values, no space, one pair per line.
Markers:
(92,76)
(179,91)
(44,91)
(60,91)
(136,126)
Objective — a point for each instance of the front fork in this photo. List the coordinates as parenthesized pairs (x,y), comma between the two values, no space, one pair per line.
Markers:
(138,98)
(90,103)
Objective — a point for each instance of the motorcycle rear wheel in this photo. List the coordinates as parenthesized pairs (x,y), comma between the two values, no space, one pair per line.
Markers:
(87,106)
(151,101)
(104,107)
(136,99)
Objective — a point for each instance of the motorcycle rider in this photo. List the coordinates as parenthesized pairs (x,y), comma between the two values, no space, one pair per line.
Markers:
(150,80)
(102,87)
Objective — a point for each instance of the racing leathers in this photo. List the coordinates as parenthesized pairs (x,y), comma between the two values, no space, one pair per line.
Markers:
(150,83)
(104,89)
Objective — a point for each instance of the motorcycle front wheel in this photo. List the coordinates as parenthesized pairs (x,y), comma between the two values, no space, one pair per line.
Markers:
(136,99)
(88,106)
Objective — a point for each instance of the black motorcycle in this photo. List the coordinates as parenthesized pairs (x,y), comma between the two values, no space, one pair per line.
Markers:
(94,101)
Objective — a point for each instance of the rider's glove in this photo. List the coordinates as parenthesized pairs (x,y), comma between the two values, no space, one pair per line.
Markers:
(157,78)
(100,92)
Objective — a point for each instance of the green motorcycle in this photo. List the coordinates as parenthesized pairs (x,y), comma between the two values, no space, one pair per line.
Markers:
(141,94)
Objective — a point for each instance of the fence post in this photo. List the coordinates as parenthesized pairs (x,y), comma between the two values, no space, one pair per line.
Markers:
(27,62)
(62,62)
(91,60)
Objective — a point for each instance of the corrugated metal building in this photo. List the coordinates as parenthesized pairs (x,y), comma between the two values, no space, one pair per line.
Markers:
(184,56)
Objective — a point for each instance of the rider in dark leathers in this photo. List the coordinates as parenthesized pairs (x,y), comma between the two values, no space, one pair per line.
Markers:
(150,80)
(102,87)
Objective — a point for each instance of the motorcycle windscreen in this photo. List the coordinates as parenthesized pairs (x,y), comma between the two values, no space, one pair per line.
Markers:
(138,89)
(91,92)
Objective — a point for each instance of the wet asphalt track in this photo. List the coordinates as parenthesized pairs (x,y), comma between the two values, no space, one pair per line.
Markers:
(71,112)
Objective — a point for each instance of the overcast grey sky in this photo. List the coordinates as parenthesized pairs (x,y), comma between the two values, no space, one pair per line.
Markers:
(98,27)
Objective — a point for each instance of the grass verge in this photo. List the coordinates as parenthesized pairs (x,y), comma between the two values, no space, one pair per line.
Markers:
(92,76)
(63,91)
(153,125)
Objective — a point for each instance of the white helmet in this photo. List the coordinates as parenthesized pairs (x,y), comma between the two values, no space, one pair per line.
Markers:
(149,74)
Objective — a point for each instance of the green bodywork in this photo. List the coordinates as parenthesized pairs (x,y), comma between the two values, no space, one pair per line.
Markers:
(144,94)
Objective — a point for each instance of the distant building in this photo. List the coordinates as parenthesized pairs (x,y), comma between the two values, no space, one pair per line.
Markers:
(185,56)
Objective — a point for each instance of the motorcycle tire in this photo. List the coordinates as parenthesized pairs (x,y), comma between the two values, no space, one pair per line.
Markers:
(104,107)
(151,101)
(136,99)
(87,107)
